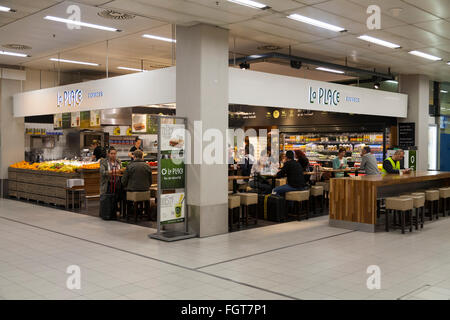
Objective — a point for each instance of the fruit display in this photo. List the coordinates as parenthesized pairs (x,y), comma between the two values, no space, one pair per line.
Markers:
(63,166)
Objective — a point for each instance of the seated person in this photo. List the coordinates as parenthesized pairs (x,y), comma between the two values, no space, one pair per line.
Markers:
(294,173)
(392,164)
(138,174)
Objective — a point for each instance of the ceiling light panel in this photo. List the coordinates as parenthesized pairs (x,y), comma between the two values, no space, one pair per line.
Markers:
(424,55)
(379,42)
(150,36)
(315,22)
(74,62)
(250,3)
(330,70)
(15,54)
(81,24)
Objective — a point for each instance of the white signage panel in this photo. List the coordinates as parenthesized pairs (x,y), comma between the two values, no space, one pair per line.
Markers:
(270,90)
(137,89)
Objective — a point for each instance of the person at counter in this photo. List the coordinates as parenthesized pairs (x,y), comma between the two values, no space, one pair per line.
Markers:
(98,151)
(392,164)
(294,173)
(369,162)
(137,146)
(108,167)
(138,174)
(340,162)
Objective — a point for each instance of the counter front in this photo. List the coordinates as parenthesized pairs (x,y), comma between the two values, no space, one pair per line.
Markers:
(353,201)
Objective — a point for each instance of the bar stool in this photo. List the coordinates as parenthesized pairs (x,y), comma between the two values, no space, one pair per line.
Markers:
(234,206)
(419,208)
(76,195)
(431,197)
(444,195)
(280,182)
(248,200)
(326,190)
(404,206)
(138,198)
(298,198)
(316,192)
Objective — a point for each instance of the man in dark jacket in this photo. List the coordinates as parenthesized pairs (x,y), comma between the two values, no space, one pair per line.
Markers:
(294,173)
(138,175)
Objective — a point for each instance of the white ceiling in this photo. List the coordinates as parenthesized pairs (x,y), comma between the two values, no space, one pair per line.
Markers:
(414,24)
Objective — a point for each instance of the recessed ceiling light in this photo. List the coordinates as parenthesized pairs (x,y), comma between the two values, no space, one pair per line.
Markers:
(444,91)
(315,22)
(251,4)
(448,63)
(379,42)
(424,55)
(6,9)
(150,36)
(82,24)
(131,69)
(15,54)
(330,70)
(74,62)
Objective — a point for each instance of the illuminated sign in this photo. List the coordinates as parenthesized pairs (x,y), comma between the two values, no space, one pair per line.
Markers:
(70,98)
(324,96)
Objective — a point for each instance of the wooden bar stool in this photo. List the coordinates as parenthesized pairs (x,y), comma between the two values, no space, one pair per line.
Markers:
(402,205)
(432,201)
(299,198)
(419,207)
(315,193)
(280,182)
(444,196)
(139,198)
(249,201)
(326,191)
(234,211)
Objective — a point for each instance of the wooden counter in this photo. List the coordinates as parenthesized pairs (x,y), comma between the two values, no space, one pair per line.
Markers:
(353,201)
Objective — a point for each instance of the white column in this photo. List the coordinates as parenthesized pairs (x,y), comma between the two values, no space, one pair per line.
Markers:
(12,131)
(202,95)
(417,87)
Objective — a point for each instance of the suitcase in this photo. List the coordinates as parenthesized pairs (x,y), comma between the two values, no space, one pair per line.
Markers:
(271,207)
(276,208)
(108,206)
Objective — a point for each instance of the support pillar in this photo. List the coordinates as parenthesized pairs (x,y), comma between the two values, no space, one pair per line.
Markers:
(202,95)
(417,87)
(12,132)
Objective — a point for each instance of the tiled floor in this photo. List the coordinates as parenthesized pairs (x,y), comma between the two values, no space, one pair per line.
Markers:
(296,260)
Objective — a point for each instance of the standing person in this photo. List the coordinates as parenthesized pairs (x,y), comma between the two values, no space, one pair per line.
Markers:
(98,151)
(340,162)
(369,162)
(137,146)
(110,184)
(294,173)
(392,164)
(138,174)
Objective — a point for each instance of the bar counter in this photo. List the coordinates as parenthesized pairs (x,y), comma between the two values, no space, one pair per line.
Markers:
(353,201)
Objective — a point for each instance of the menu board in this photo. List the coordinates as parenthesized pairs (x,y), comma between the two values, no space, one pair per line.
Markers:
(139,123)
(57,121)
(85,119)
(66,120)
(406,134)
(172,208)
(75,119)
(95,118)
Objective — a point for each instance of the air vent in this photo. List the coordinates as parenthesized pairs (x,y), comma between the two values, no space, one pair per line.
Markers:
(16,46)
(269,48)
(115,15)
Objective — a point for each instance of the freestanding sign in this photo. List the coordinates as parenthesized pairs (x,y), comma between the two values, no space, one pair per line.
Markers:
(171,178)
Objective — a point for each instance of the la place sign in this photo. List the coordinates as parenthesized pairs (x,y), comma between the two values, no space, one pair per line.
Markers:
(70,98)
(324,96)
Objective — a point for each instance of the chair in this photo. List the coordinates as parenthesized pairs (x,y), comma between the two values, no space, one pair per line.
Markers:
(432,202)
(326,190)
(248,201)
(401,205)
(316,192)
(75,191)
(298,198)
(234,211)
(444,196)
(419,208)
(139,198)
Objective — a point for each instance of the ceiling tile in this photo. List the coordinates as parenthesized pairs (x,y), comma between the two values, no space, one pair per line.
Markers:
(408,14)
(440,8)
(439,27)
(414,33)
